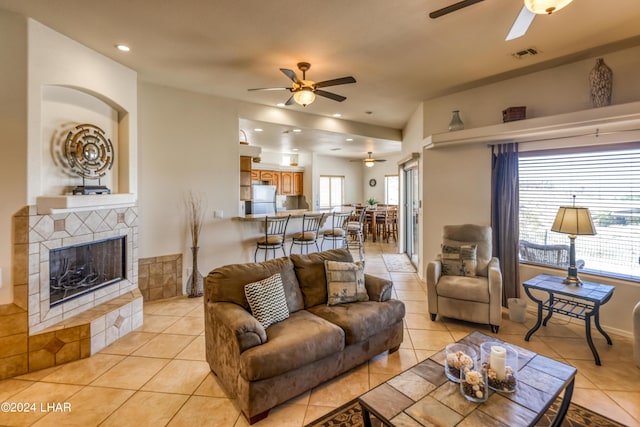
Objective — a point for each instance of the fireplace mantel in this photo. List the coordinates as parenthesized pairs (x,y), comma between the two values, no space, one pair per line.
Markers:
(48,205)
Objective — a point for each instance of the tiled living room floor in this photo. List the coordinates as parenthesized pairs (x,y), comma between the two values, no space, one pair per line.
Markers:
(157,375)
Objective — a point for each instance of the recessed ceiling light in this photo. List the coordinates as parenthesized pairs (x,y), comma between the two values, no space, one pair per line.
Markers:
(258,130)
(280,104)
(336,115)
(297,130)
(295,149)
(349,139)
(123,47)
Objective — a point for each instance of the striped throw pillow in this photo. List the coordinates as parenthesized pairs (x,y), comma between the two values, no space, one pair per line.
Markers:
(267,300)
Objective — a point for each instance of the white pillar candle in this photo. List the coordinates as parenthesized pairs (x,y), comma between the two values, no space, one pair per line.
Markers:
(498,361)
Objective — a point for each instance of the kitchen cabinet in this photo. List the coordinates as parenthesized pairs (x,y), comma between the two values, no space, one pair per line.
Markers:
(255,175)
(267,176)
(245,178)
(297,183)
(286,183)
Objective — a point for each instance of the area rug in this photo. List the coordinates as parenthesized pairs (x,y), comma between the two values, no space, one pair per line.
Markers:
(398,263)
(350,415)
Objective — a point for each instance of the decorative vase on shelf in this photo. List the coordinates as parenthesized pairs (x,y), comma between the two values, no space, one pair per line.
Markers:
(601,80)
(195,281)
(456,122)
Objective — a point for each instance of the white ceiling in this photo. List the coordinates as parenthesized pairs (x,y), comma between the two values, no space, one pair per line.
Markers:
(398,55)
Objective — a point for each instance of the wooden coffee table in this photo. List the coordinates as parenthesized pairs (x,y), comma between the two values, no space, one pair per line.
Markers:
(424,396)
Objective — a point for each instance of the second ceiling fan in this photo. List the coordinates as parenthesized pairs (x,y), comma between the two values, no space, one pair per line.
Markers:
(369,161)
(524,19)
(304,91)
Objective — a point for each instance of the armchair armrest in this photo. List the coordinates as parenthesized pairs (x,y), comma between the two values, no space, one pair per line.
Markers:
(238,323)
(434,271)
(494,275)
(378,289)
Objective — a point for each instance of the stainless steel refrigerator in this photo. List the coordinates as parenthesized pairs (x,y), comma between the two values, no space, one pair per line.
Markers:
(263,199)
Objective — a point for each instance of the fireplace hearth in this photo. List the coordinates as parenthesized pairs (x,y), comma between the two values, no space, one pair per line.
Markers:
(80,269)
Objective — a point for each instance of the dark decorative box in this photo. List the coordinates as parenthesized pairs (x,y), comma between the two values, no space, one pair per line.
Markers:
(514,113)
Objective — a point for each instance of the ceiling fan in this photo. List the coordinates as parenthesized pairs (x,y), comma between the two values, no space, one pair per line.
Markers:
(304,91)
(524,19)
(369,161)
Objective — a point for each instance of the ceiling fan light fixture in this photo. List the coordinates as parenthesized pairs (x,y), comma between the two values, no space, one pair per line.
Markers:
(304,97)
(369,163)
(545,6)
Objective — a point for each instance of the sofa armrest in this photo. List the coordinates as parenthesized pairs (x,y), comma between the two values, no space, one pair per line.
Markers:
(239,323)
(434,271)
(378,289)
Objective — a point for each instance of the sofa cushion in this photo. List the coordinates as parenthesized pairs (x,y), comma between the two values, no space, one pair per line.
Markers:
(267,300)
(301,339)
(464,288)
(459,260)
(309,270)
(361,320)
(345,282)
(226,284)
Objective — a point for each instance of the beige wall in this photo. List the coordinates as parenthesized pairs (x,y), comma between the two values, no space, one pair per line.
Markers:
(13,140)
(457,180)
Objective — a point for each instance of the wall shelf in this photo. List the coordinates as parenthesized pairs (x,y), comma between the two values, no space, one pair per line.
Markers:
(47,205)
(613,118)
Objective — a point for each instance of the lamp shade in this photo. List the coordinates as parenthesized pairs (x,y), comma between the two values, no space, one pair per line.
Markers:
(545,6)
(573,220)
(304,97)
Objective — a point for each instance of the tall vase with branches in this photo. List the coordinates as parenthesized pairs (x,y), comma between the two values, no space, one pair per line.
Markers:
(195,206)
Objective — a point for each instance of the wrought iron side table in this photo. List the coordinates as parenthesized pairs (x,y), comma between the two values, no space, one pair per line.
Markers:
(581,302)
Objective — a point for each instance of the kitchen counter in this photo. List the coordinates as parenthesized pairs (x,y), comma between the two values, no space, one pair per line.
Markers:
(295,213)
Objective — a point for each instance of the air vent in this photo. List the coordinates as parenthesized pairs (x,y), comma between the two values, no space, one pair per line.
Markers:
(532,51)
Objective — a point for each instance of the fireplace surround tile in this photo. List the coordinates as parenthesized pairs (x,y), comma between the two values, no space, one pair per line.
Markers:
(33,335)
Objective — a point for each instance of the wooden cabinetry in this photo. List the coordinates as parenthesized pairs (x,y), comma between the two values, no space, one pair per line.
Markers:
(286,183)
(297,183)
(245,178)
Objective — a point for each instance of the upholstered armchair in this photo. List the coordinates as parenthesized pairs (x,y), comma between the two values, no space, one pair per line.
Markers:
(466,282)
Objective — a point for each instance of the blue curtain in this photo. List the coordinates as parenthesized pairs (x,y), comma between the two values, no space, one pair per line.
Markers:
(505,205)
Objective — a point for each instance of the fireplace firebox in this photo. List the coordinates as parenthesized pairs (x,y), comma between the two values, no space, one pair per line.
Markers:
(79,269)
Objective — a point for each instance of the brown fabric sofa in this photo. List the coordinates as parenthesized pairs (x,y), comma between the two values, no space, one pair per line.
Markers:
(263,368)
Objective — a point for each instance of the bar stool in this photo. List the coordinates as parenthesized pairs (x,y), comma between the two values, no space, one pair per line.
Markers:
(275,228)
(355,230)
(309,234)
(338,230)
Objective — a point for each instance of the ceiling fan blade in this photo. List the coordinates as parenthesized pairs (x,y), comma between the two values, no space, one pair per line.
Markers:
(335,82)
(330,95)
(291,74)
(269,88)
(379,160)
(452,8)
(521,24)
(290,101)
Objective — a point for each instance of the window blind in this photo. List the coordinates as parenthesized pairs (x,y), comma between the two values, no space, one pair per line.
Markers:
(605,181)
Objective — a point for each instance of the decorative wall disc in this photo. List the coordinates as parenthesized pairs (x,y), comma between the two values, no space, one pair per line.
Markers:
(88,151)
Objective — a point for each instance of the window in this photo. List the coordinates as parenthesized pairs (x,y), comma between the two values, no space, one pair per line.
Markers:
(391,189)
(607,181)
(331,191)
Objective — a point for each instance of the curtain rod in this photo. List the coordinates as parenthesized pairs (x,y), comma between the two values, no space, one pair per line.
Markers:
(597,134)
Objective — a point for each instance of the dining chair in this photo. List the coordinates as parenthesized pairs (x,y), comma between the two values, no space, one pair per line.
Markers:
(275,228)
(309,233)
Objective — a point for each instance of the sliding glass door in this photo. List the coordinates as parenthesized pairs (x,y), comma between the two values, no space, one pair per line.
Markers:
(411,207)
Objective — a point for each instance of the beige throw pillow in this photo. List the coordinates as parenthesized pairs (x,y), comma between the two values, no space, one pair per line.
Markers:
(459,260)
(267,300)
(345,282)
